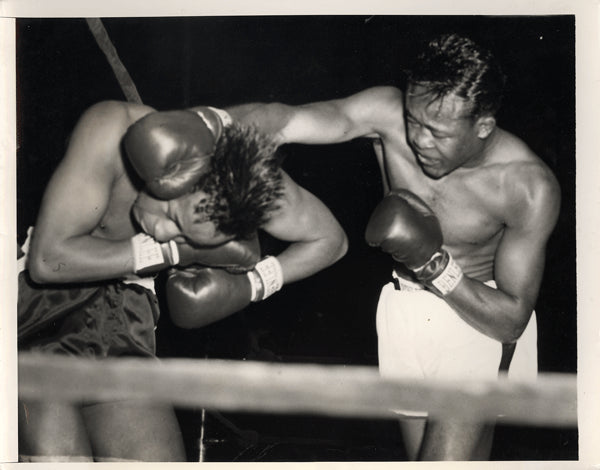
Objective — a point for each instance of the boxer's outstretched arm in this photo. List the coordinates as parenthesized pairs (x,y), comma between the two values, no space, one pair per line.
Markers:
(75,201)
(365,114)
(503,313)
(317,238)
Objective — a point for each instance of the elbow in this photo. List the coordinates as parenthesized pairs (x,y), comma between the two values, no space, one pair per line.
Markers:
(342,246)
(337,246)
(40,271)
(513,332)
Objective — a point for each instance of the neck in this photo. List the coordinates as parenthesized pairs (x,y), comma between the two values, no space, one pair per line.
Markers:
(485,150)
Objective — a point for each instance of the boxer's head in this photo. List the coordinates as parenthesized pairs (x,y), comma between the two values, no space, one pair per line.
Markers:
(455,65)
(453,92)
(231,200)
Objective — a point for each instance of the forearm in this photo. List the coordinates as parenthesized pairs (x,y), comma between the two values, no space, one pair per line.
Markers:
(488,310)
(83,259)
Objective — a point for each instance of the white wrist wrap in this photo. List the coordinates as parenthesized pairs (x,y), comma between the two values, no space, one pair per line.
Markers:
(174,252)
(447,281)
(268,273)
(223,116)
(146,252)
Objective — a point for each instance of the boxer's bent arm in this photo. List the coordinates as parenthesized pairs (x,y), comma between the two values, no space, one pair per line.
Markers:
(317,238)
(75,200)
(503,313)
(364,114)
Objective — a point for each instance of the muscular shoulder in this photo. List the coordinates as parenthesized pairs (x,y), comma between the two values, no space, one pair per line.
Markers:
(113,115)
(380,110)
(98,132)
(531,190)
(383,102)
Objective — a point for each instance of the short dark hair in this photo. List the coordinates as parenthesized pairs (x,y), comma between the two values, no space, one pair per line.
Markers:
(455,64)
(244,182)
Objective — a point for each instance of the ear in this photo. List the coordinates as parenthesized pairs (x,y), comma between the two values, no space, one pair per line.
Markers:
(485,126)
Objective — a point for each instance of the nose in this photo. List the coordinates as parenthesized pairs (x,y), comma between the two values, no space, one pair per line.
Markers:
(421,137)
(161,229)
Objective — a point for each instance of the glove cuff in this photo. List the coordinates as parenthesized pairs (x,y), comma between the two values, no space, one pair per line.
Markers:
(174,253)
(265,279)
(441,272)
(147,252)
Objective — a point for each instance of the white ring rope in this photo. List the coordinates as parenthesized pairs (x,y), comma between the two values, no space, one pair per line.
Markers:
(350,391)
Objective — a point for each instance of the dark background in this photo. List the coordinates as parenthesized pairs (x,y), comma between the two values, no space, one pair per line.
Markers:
(329,318)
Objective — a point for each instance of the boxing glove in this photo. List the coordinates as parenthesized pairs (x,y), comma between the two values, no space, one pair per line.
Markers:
(405,227)
(236,256)
(150,256)
(171,150)
(199,296)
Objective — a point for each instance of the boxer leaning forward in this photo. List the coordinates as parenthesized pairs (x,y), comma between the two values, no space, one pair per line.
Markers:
(467,223)
(203,186)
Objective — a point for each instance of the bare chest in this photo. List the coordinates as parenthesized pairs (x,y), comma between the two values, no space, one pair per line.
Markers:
(116,222)
(469,212)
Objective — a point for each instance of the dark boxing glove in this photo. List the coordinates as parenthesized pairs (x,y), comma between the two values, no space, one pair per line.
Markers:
(406,228)
(199,296)
(171,150)
(236,256)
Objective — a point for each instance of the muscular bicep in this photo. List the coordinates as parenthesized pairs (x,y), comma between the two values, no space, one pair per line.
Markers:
(520,258)
(368,113)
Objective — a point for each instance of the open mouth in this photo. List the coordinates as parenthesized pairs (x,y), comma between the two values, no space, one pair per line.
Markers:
(426,161)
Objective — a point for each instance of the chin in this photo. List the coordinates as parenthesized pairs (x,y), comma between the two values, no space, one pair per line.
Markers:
(434,173)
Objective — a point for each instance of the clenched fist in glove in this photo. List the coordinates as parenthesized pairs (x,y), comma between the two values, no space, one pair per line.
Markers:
(406,228)
(199,296)
(150,256)
(171,150)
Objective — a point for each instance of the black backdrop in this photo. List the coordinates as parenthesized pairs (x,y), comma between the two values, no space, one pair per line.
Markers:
(329,318)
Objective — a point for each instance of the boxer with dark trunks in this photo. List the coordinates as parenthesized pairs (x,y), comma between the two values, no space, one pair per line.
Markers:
(466,222)
(202,186)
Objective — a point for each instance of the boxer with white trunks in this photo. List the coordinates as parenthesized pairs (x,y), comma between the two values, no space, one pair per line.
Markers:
(493,205)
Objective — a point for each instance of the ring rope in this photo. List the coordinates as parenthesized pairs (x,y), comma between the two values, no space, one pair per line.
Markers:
(105,44)
(333,390)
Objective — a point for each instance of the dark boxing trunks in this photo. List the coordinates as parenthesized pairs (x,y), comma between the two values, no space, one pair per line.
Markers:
(93,320)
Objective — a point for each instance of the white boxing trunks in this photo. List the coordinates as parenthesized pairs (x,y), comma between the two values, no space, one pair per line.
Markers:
(421,337)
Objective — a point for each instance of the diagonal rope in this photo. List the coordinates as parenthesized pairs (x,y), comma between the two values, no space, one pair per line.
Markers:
(105,44)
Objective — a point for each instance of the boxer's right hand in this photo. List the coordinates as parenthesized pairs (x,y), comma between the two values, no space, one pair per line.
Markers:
(406,228)
(236,255)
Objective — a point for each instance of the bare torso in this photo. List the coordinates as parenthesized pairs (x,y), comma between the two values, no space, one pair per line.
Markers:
(116,222)
(470,203)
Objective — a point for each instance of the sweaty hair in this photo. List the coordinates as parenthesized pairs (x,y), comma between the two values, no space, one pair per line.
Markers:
(455,64)
(244,182)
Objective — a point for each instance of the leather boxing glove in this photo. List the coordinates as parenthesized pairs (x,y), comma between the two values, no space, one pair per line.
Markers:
(404,226)
(150,256)
(171,150)
(199,296)
(235,256)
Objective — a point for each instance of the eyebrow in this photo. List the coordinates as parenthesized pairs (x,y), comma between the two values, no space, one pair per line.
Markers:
(432,129)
